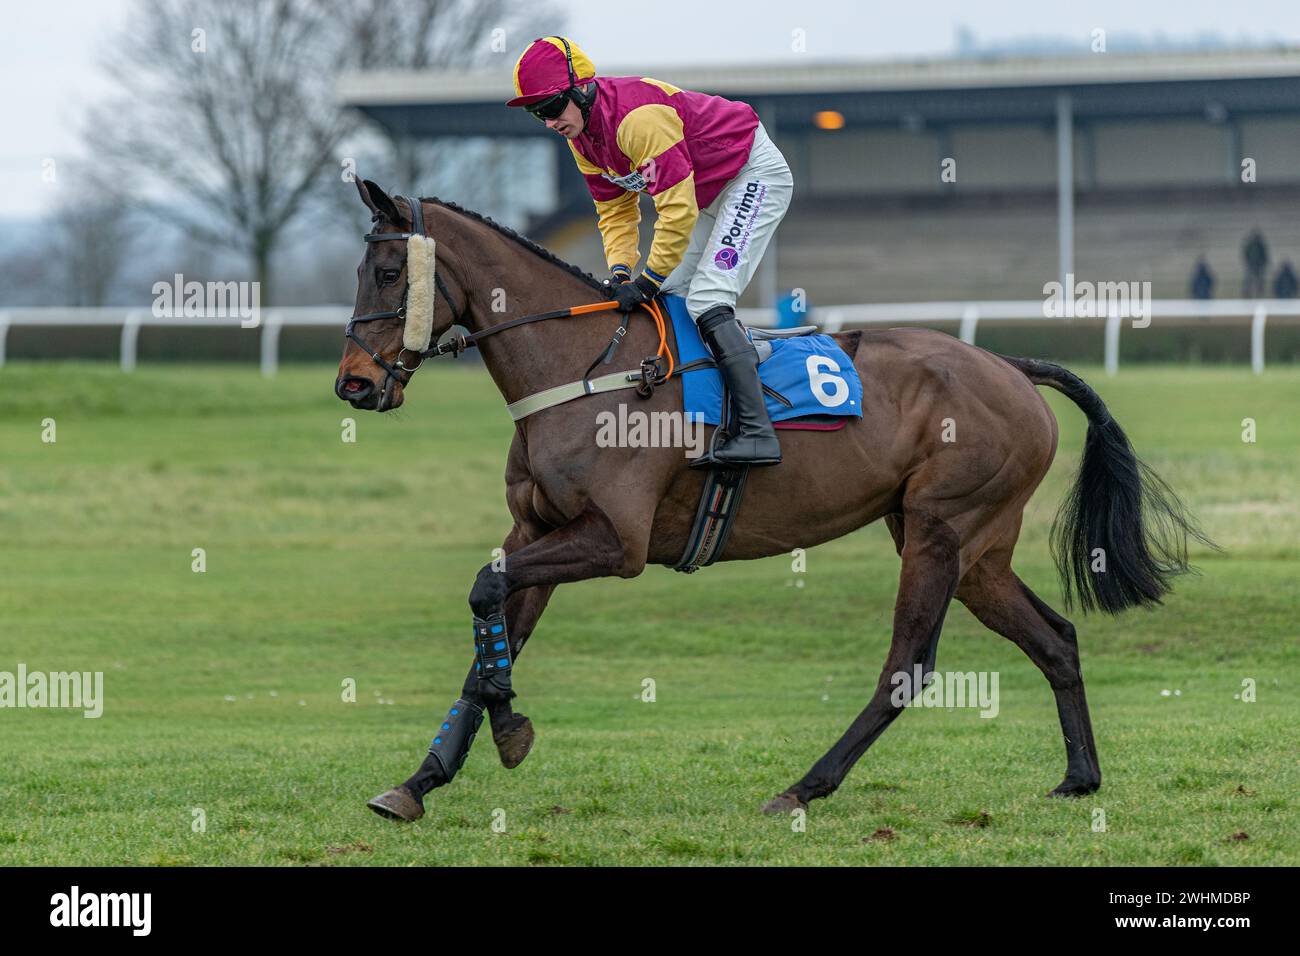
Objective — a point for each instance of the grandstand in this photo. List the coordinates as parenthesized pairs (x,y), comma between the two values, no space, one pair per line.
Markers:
(1112,166)
(1116,167)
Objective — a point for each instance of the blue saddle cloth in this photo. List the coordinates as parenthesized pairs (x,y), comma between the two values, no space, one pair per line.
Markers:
(811,371)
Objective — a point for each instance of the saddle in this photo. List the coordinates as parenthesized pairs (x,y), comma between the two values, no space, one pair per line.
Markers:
(809,383)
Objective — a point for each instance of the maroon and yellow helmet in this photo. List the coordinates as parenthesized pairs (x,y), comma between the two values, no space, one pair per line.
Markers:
(548,66)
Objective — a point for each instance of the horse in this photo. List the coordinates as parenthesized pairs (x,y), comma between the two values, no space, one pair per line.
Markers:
(953,508)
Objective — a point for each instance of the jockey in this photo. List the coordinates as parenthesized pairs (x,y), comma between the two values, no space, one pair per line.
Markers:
(719,185)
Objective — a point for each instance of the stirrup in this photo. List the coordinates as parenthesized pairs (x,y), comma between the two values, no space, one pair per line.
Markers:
(710,460)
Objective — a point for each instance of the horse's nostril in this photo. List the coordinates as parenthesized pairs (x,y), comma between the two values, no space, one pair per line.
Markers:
(352,388)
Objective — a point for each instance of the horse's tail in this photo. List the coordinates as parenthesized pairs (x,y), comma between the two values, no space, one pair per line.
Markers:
(1117,505)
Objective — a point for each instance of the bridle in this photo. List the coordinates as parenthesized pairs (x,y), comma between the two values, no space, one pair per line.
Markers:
(393,371)
(649,376)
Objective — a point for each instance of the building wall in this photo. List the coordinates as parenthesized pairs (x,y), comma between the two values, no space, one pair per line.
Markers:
(1274,144)
(1160,153)
(858,161)
(1114,154)
(1004,157)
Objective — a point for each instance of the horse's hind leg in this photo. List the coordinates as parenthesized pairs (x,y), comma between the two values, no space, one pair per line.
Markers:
(1004,604)
(931,563)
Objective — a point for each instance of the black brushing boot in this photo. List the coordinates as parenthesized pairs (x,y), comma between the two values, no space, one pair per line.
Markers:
(755,441)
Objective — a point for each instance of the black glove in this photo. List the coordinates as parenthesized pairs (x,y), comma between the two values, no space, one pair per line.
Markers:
(630,295)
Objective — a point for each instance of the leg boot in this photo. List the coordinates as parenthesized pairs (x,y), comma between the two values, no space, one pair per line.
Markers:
(754,441)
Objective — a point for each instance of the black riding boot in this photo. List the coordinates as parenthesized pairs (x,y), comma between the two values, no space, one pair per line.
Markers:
(754,442)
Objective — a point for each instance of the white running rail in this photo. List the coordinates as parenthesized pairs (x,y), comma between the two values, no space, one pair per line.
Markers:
(968,315)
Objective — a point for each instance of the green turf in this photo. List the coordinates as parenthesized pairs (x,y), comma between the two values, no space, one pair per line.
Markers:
(328,561)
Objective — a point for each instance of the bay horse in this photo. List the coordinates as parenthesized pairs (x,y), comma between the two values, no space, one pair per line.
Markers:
(953,507)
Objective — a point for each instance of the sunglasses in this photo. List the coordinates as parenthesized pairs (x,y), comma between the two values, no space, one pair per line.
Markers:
(550,108)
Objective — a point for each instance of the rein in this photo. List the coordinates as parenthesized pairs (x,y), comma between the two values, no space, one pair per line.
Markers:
(645,379)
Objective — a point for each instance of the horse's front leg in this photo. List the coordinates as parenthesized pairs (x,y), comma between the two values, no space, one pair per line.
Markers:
(511,732)
(506,604)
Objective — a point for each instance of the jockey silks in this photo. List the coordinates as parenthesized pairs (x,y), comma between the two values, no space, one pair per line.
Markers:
(680,147)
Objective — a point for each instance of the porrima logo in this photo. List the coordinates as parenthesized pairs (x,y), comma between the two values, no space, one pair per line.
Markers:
(735,240)
(727,259)
(75,908)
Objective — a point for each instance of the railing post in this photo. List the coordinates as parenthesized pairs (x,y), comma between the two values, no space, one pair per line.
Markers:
(834,320)
(1257,338)
(130,336)
(969,319)
(271,343)
(4,334)
(1113,322)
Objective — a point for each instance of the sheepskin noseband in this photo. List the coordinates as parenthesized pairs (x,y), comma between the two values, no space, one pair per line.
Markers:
(420,267)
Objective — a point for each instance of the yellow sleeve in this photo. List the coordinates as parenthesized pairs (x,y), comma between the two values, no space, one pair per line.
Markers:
(675,216)
(618,214)
(653,139)
(620,220)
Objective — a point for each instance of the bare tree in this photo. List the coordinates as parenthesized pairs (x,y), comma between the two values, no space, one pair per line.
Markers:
(437,35)
(225,122)
(223,112)
(92,236)
(28,277)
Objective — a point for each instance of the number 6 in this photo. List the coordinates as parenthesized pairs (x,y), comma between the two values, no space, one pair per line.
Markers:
(819,380)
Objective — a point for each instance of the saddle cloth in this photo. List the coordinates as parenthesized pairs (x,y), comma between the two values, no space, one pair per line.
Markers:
(810,372)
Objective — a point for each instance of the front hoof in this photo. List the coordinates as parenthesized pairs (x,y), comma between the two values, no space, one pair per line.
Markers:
(783,804)
(1075,788)
(398,804)
(515,741)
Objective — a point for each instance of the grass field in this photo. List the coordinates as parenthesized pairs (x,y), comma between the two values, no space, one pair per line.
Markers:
(328,561)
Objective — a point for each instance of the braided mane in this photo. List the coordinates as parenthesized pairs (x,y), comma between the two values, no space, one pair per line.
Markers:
(524,241)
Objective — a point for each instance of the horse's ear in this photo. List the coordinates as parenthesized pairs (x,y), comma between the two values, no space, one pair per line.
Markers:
(378,201)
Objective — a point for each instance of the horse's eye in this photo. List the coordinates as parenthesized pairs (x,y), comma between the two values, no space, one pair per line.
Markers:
(390,275)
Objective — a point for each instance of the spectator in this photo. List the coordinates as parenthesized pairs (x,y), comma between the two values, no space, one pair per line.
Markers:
(1284,283)
(1255,253)
(1202,281)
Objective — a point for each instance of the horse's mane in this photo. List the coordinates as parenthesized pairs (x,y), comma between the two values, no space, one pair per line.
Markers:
(524,241)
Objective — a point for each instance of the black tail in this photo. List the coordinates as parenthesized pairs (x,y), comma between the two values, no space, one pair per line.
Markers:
(1118,505)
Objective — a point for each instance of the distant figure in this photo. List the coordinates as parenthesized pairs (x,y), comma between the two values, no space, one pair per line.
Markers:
(1255,253)
(1284,283)
(1202,281)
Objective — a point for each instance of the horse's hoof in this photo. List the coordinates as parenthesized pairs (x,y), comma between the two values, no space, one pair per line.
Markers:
(783,804)
(398,804)
(514,743)
(1075,788)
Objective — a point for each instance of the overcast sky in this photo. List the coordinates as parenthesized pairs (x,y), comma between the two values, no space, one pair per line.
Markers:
(48,49)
